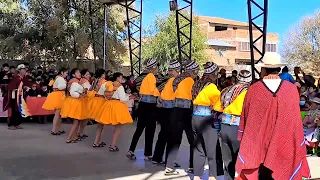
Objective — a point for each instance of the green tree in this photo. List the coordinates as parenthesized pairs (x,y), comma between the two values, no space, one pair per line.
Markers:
(163,45)
(301,45)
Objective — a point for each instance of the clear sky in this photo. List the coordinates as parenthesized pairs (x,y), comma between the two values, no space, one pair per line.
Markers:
(283,14)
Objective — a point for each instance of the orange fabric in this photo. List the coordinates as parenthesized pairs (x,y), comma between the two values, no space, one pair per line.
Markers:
(184,90)
(108,94)
(100,82)
(149,86)
(167,93)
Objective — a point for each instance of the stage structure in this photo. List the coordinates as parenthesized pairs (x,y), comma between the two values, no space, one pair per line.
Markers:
(184,39)
(263,9)
(134,24)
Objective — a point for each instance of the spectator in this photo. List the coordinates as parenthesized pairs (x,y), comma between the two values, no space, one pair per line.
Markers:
(130,102)
(312,91)
(108,75)
(131,83)
(304,104)
(235,73)
(33,92)
(13,70)
(303,90)
(4,70)
(286,76)
(44,91)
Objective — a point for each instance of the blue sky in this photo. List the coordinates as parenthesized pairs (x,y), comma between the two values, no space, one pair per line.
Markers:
(283,14)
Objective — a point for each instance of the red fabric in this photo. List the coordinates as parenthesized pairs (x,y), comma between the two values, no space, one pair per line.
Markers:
(13,84)
(271,133)
(35,106)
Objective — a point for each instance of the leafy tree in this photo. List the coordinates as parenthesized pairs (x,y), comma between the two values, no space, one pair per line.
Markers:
(163,45)
(301,45)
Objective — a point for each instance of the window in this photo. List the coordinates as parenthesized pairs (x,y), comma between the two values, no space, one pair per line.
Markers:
(244,46)
(220,28)
(221,52)
(271,48)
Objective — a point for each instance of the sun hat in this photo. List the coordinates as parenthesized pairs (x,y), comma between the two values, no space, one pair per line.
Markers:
(271,60)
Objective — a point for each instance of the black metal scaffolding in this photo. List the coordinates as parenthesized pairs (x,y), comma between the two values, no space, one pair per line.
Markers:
(184,36)
(134,25)
(263,30)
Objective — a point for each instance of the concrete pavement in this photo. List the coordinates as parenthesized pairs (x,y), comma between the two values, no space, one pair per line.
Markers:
(33,154)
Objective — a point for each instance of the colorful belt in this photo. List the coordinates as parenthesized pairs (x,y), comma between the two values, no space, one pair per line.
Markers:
(182,103)
(167,103)
(230,119)
(202,110)
(148,99)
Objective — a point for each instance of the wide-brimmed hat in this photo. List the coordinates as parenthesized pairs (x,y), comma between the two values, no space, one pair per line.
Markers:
(271,60)
(245,76)
(210,68)
(315,100)
(174,65)
(151,63)
(192,66)
(21,66)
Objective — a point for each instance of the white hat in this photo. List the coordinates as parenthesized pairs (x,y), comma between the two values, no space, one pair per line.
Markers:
(174,65)
(192,66)
(315,100)
(151,63)
(21,66)
(210,68)
(271,60)
(245,76)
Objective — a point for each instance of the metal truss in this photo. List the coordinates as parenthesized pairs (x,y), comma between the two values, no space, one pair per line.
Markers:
(263,30)
(134,25)
(184,36)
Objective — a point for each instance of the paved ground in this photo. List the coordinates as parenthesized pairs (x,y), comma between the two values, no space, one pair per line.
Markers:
(33,154)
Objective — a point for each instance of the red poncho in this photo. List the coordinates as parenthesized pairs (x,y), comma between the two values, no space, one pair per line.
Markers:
(271,134)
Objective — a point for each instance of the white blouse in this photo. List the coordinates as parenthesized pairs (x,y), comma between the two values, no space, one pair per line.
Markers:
(60,83)
(76,90)
(120,94)
(86,85)
(102,89)
(272,84)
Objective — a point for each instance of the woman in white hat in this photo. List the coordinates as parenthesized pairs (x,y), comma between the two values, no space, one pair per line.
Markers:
(206,98)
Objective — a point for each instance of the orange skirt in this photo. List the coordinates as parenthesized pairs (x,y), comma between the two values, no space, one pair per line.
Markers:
(54,101)
(94,106)
(73,108)
(114,112)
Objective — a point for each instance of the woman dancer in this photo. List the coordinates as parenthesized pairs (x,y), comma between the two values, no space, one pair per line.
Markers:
(54,101)
(94,104)
(84,81)
(73,105)
(206,97)
(114,112)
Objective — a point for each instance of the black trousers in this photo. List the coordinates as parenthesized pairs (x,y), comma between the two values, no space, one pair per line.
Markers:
(180,120)
(230,148)
(15,119)
(147,121)
(164,119)
(205,145)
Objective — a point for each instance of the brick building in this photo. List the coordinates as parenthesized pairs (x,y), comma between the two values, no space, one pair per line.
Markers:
(228,41)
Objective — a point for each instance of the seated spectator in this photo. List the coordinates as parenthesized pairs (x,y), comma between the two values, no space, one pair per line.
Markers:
(312,91)
(286,76)
(303,90)
(33,92)
(309,121)
(304,104)
(43,92)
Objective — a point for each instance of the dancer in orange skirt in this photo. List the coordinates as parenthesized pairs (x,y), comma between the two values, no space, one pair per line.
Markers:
(73,105)
(99,86)
(55,99)
(84,81)
(114,112)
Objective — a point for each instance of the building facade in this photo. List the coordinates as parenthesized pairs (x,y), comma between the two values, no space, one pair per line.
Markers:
(229,42)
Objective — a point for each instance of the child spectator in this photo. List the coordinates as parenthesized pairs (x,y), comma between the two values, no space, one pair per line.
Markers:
(312,91)
(130,102)
(310,125)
